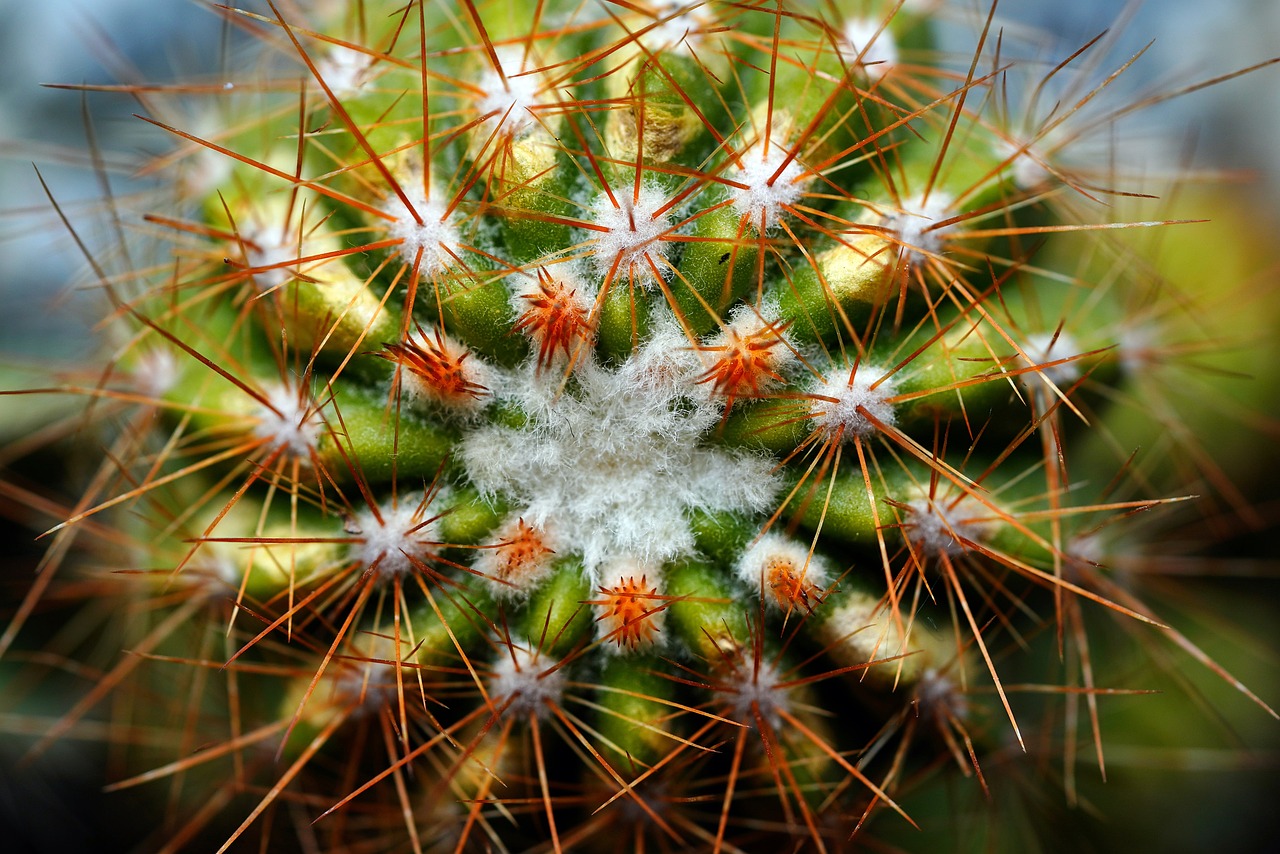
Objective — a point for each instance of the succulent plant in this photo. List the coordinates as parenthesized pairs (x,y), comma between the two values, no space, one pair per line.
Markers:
(658,424)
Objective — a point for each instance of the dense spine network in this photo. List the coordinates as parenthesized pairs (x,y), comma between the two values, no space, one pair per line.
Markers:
(668,422)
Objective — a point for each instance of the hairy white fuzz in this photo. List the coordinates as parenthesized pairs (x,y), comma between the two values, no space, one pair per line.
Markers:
(941,525)
(631,244)
(785,574)
(404,536)
(630,611)
(1042,348)
(272,262)
(513,102)
(525,681)
(555,311)
(939,697)
(436,237)
(290,420)
(371,686)
(614,461)
(871,47)
(676,24)
(439,373)
(748,356)
(1025,167)
(754,689)
(345,71)
(769,185)
(915,223)
(840,407)
(515,558)
(155,372)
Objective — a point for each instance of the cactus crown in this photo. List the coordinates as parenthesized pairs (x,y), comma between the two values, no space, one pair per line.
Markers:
(615,418)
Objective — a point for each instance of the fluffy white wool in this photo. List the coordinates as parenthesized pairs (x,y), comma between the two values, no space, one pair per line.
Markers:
(523,677)
(512,573)
(776,550)
(755,688)
(865,38)
(627,573)
(512,103)
(938,525)
(1042,347)
(390,545)
(436,235)
(262,250)
(748,322)
(344,71)
(1026,167)
(568,274)
(762,198)
(633,237)
(913,224)
(474,370)
(613,461)
(372,686)
(842,414)
(567,278)
(939,696)
(683,25)
(289,420)
(155,372)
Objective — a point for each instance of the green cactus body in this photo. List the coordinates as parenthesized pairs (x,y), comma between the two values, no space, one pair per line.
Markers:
(631,405)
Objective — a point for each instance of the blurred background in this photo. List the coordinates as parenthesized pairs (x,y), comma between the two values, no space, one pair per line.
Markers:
(107,41)
(1193,800)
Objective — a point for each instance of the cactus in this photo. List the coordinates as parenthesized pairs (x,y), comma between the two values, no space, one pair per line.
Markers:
(557,425)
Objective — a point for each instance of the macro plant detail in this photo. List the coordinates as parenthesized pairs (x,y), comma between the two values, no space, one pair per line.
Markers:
(565,425)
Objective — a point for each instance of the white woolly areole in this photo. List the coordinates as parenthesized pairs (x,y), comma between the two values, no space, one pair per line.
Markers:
(515,558)
(201,171)
(775,559)
(512,102)
(865,38)
(764,196)
(1027,171)
(683,25)
(262,250)
(155,372)
(634,231)
(1137,346)
(436,236)
(216,572)
(836,403)
(938,696)
(938,525)
(913,225)
(568,276)
(390,546)
(372,685)
(750,324)
(290,421)
(614,460)
(1042,347)
(568,282)
(479,376)
(748,321)
(628,614)
(524,678)
(755,686)
(344,71)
